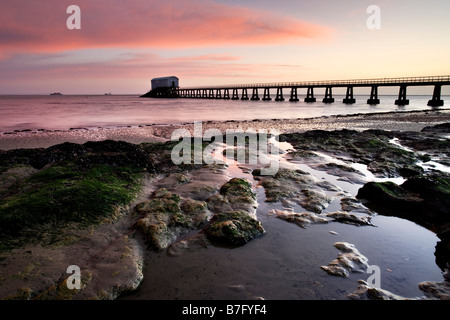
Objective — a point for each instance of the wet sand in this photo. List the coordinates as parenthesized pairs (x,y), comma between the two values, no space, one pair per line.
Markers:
(399,121)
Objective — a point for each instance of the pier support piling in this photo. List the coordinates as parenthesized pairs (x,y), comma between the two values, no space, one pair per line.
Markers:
(279,95)
(436,100)
(294,97)
(267,94)
(244,94)
(255,96)
(328,95)
(373,96)
(211,94)
(402,101)
(235,95)
(310,95)
(349,96)
(226,94)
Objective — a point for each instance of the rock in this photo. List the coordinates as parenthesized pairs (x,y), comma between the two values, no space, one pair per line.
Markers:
(235,195)
(348,261)
(364,292)
(390,195)
(234,228)
(344,172)
(197,241)
(107,152)
(422,199)
(370,147)
(439,128)
(436,290)
(300,219)
(348,218)
(166,217)
(435,190)
(350,204)
(297,186)
(313,200)
(432,290)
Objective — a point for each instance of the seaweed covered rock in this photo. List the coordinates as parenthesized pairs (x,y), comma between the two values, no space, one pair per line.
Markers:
(373,148)
(235,221)
(234,195)
(390,196)
(435,190)
(234,228)
(423,199)
(88,155)
(439,128)
(167,216)
(115,153)
(296,186)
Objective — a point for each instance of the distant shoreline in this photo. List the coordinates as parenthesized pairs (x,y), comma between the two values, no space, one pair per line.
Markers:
(399,121)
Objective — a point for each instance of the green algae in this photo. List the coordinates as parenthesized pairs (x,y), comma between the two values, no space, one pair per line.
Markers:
(234,228)
(65,193)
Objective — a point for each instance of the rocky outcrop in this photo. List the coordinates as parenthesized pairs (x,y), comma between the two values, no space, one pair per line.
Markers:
(348,261)
(226,217)
(350,218)
(422,199)
(298,187)
(365,292)
(234,228)
(301,219)
(432,291)
(167,216)
(372,148)
(235,221)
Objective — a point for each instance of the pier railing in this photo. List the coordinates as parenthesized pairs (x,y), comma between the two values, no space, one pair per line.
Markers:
(411,81)
(223,91)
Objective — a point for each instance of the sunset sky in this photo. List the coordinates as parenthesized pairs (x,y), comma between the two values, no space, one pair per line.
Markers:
(123,44)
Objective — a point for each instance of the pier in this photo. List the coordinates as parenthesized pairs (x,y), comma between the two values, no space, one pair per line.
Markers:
(252,91)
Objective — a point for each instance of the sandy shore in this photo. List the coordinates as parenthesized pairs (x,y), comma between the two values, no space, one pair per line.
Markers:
(400,121)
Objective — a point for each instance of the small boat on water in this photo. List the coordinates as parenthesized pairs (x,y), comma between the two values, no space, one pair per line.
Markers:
(108,94)
(56,94)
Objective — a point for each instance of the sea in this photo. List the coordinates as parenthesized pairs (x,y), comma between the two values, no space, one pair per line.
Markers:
(63,112)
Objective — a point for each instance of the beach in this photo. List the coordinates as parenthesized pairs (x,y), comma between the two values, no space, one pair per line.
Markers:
(404,121)
(111,201)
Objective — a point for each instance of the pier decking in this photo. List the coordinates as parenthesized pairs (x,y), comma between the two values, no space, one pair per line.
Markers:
(241,91)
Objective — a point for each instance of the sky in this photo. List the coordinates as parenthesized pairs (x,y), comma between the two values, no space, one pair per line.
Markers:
(122,45)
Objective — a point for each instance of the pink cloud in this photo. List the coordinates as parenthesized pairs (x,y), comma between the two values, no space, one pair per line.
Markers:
(40,26)
(33,70)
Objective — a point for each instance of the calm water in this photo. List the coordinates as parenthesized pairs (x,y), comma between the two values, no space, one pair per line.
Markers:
(65,112)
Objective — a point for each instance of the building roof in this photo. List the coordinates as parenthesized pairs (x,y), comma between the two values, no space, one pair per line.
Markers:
(162,78)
